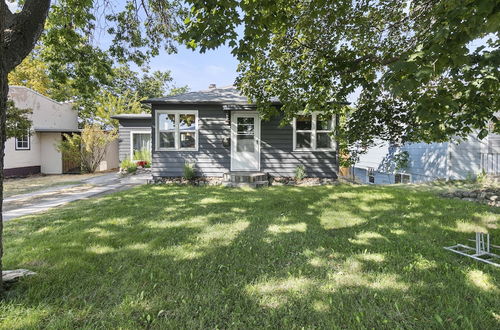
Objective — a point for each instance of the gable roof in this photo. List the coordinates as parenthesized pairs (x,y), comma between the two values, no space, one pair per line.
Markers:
(223,95)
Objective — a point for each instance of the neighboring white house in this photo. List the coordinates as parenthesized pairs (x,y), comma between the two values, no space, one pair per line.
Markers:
(431,161)
(36,151)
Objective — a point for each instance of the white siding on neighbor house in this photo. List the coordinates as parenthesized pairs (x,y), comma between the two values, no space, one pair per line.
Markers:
(427,161)
(456,160)
(47,113)
(51,158)
(22,158)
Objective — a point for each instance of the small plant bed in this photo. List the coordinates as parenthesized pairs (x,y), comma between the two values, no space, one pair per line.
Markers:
(196,181)
(289,181)
(490,196)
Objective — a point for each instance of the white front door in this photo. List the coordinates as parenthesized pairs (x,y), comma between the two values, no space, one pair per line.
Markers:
(245,141)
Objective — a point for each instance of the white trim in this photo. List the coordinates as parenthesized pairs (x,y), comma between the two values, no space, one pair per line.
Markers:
(257,131)
(176,131)
(314,132)
(16,141)
(136,131)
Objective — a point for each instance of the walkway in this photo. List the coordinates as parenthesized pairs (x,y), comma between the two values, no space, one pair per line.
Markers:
(43,200)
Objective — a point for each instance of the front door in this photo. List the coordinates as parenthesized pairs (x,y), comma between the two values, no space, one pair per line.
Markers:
(245,141)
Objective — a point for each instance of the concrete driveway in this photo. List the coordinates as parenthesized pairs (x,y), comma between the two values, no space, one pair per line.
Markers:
(43,200)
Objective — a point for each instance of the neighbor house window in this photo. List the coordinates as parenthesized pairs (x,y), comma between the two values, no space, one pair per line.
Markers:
(140,145)
(371,175)
(177,130)
(23,141)
(402,178)
(313,132)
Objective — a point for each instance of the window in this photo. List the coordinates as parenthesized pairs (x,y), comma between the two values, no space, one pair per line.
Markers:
(177,130)
(23,141)
(402,178)
(371,175)
(245,134)
(140,145)
(313,132)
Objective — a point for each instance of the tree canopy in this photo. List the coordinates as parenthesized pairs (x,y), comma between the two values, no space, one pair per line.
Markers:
(410,62)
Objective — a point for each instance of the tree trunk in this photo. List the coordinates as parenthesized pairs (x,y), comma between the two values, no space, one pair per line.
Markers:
(4,89)
(18,35)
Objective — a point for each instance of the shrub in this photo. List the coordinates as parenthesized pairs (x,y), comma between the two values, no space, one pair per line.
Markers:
(87,148)
(132,169)
(300,172)
(128,165)
(189,171)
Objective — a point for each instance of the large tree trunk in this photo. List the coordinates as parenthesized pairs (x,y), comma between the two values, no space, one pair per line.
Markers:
(4,88)
(19,33)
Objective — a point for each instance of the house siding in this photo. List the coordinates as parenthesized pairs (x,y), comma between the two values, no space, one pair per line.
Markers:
(211,159)
(214,159)
(126,126)
(278,158)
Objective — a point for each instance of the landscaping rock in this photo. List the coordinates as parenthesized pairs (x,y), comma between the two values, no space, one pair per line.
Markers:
(9,276)
(488,195)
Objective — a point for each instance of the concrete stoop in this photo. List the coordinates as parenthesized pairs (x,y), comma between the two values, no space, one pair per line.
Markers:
(245,179)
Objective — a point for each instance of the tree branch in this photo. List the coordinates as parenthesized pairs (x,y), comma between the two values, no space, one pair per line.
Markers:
(23,32)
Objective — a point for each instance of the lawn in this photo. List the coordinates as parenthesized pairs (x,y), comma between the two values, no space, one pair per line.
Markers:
(281,257)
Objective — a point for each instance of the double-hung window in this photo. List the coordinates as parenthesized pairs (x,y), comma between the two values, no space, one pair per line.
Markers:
(23,141)
(313,132)
(176,130)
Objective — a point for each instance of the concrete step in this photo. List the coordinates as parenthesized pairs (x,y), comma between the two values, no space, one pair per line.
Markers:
(245,177)
(256,184)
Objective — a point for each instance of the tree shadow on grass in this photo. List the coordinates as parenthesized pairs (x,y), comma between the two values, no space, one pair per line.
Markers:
(167,256)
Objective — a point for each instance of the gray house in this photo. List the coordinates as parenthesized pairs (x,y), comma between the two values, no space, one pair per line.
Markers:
(454,160)
(219,132)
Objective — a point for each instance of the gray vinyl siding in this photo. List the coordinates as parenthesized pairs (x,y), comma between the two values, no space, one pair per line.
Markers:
(214,159)
(278,158)
(126,126)
(211,159)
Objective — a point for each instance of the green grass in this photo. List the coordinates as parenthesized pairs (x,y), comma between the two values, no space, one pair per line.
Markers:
(282,257)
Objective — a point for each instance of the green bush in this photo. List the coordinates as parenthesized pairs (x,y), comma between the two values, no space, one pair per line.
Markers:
(132,169)
(189,171)
(300,172)
(128,165)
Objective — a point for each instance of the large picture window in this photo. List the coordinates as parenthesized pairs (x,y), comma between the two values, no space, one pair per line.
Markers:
(313,132)
(23,141)
(177,130)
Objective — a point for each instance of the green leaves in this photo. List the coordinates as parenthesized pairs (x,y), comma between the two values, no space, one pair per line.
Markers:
(416,77)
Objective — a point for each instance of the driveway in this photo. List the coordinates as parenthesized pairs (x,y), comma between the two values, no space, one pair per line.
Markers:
(43,200)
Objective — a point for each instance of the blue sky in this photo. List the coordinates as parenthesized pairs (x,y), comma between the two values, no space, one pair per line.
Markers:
(198,70)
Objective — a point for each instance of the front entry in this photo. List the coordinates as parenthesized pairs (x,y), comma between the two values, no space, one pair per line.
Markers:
(245,141)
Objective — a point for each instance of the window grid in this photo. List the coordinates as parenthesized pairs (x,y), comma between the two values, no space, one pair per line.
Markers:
(314,132)
(23,142)
(176,130)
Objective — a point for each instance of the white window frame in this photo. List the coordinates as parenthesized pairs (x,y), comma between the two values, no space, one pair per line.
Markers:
(132,140)
(177,130)
(401,173)
(28,136)
(314,132)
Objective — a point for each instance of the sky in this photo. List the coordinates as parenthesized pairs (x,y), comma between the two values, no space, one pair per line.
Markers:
(198,70)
